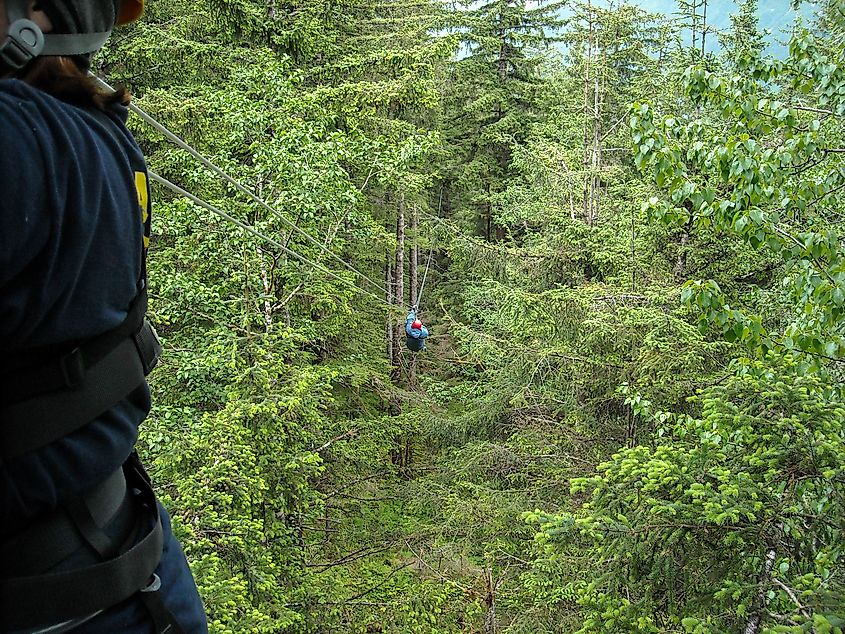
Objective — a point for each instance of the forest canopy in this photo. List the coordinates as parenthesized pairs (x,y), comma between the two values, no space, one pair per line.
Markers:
(629,416)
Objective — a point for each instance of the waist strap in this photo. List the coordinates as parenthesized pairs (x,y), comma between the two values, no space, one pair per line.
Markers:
(51,540)
(54,597)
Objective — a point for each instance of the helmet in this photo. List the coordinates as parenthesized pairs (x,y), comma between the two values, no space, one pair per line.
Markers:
(130,10)
(416,324)
(80,27)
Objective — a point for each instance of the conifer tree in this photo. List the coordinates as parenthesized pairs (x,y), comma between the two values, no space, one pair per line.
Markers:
(694,17)
(744,39)
(613,55)
(492,100)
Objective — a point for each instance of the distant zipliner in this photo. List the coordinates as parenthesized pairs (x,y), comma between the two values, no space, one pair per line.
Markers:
(415,332)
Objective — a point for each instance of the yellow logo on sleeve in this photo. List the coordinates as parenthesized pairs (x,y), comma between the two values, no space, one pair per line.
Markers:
(143,202)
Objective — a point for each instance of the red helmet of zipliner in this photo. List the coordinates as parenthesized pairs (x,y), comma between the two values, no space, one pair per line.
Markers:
(416,324)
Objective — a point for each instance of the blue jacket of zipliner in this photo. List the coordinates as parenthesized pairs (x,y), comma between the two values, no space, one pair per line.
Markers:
(415,337)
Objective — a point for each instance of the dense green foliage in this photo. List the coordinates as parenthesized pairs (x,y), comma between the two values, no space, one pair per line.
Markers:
(629,417)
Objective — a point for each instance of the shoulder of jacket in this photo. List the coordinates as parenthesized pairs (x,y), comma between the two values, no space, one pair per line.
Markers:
(14,92)
(23,108)
(21,116)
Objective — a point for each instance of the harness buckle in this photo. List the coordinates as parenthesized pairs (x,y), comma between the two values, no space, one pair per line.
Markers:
(148,345)
(161,615)
(73,368)
(25,42)
(153,585)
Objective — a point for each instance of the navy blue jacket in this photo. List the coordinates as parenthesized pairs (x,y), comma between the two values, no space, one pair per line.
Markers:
(72,238)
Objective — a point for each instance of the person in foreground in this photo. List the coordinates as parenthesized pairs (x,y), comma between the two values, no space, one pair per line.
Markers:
(84,545)
(415,332)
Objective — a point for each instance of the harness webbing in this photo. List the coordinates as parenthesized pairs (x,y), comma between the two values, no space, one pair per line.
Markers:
(58,596)
(32,372)
(56,535)
(42,403)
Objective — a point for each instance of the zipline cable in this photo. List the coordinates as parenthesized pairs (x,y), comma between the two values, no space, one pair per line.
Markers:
(430,253)
(209,207)
(250,229)
(149,120)
(425,275)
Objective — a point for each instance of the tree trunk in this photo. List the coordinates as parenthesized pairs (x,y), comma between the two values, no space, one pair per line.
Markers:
(489,217)
(388,324)
(399,285)
(414,262)
(681,262)
(694,25)
(591,138)
(399,269)
(490,601)
(563,168)
(633,252)
(266,282)
(595,153)
(413,274)
(753,625)
(267,288)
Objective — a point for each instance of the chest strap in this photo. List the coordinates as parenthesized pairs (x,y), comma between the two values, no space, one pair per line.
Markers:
(45,400)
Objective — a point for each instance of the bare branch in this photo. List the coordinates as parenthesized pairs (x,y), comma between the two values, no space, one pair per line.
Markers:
(350,557)
(347,434)
(436,572)
(791,593)
(816,110)
(380,583)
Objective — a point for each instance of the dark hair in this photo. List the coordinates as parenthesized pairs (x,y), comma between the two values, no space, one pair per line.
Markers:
(62,78)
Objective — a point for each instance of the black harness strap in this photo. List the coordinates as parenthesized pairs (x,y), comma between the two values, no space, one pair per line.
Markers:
(51,400)
(43,419)
(93,534)
(56,535)
(163,620)
(33,372)
(58,596)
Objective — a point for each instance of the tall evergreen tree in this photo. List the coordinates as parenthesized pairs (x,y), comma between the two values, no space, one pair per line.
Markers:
(693,14)
(743,41)
(614,55)
(492,100)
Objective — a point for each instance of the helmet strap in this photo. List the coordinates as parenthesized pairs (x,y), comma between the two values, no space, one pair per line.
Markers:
(25,41)
(74,43)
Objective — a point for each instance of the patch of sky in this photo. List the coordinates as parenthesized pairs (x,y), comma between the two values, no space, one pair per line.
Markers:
(777,18)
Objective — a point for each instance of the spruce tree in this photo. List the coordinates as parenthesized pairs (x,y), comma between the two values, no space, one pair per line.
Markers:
(492,98)
(744,38)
